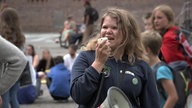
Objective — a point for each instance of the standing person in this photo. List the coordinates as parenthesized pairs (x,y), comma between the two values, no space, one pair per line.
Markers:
(11,55)
(174,46)
(58,80)
(152,42)
(10,29)
(31,52)
(70,57)
(88,21)
(121,59)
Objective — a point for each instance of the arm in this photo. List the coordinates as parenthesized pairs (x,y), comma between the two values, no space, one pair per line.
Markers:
(86,73)
(164,75)
(149,96)
(66,63)
(87,18)
(172,98)
(85,80)
(35,61)
(74,26)
(16,62)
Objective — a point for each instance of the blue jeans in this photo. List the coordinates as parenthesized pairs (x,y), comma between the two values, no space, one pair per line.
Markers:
(11,97)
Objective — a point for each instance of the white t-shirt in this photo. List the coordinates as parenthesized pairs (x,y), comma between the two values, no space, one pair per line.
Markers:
(32,70)
(68,61)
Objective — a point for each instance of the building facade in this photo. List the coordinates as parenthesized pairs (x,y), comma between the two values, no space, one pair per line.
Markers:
(49,15)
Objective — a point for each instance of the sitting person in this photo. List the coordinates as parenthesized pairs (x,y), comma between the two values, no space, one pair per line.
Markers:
(69,29)
(44,65)
(30,50)
(70,57)
(28,93)
(46,62)
(58,80)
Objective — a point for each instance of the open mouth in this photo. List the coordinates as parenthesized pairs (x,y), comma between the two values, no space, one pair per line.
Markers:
(110,38)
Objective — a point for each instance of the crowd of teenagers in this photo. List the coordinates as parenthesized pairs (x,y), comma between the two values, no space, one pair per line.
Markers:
(152,68)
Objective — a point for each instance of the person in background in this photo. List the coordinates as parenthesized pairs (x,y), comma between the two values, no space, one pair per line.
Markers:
(10,74)
(43,67)
(30,50)
(152,42)
(88,21)
(174,45)
(70,57)
(69,29)
(28,93)
(147,21)
(120,56)
(58,80)
(46,62)
(10,29)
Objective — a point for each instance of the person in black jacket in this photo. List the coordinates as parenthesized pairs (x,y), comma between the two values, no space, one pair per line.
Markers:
(46,61)
(45,64)
(121,58)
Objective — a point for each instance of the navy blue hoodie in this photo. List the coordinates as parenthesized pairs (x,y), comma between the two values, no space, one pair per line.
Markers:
(137,83)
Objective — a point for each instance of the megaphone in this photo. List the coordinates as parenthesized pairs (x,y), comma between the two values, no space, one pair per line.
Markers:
(116,99)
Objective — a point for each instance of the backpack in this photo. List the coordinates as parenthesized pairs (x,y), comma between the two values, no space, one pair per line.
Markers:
(94,14)
(181,78)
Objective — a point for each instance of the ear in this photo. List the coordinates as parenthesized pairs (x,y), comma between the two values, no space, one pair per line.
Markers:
(148,50)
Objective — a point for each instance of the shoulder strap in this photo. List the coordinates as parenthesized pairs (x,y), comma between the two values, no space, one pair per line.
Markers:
(159,85)
(158,65)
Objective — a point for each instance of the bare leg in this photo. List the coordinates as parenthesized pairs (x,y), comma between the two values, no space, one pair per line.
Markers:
(66,37)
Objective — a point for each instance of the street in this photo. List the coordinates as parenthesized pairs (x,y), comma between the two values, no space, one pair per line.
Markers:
(43,41)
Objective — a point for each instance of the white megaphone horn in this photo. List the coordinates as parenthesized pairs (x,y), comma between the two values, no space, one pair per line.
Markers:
(116,99)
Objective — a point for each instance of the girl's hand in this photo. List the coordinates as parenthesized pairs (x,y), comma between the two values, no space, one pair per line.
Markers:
(102,51)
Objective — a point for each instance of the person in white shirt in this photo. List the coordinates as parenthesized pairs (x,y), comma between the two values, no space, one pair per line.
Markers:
(70,57)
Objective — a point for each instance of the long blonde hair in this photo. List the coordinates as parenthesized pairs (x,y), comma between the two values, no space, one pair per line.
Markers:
(167,11)
(131,44)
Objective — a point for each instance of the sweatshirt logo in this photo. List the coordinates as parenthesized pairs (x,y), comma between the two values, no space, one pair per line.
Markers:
(106,71)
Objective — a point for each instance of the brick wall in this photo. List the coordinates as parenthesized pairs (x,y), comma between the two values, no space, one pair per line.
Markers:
(49,16)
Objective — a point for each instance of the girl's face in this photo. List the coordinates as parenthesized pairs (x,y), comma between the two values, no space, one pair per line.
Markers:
(110,30)
(46,54)
(29,50)
(160,21)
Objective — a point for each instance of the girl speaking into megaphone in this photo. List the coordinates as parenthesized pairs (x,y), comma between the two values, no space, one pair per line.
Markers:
(114,58)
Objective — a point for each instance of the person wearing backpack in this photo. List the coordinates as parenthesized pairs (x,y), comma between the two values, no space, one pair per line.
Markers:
(174,45)
(168,95)
(90,16)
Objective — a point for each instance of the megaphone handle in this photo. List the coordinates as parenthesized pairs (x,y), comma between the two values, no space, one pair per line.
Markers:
(99,91)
